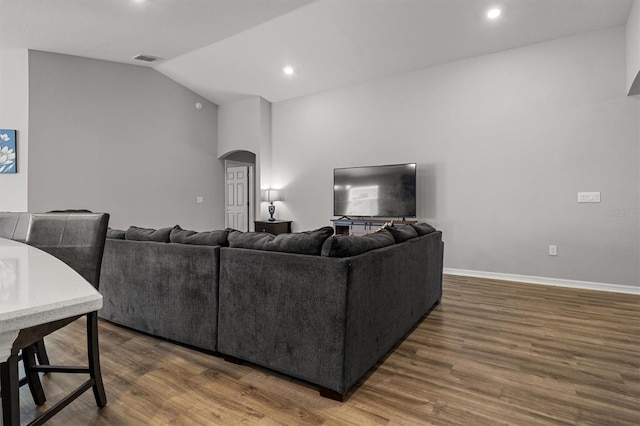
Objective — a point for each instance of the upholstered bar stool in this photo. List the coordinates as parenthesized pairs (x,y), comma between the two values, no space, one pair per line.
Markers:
(78,240)
(14,225)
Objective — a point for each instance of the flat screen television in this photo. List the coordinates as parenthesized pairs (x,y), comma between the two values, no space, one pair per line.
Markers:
(375,191)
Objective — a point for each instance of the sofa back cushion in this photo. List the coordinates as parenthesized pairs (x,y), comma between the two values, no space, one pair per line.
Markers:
(423,228)
(307,242)
(209,238)
(402,233)
(249,240)
(148,234)
(116,234)
(351,245)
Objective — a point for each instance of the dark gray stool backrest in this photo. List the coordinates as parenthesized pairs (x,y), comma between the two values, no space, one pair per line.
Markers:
(14,225)
(75,238)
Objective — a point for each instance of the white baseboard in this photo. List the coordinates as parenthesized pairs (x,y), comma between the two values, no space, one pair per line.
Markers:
(586,285)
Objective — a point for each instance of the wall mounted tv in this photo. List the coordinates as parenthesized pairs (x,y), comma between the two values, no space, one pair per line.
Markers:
(375,191)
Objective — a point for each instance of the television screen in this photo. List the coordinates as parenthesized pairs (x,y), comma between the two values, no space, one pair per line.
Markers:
(375,191)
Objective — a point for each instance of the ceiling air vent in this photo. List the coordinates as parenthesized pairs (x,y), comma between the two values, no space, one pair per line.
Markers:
(146,58)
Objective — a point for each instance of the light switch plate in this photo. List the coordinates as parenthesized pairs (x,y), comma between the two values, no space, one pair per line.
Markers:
(588,197)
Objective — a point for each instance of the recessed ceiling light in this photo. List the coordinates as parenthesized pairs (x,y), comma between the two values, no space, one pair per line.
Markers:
(288,70)
(494,13)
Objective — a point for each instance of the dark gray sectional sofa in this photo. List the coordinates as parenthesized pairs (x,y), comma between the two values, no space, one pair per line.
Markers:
(321,308)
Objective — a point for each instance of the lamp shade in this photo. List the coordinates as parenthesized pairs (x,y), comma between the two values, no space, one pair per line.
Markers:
(272,195)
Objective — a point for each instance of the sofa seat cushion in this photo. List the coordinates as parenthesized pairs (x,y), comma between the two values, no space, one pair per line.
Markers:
(402,233)
(148,234)
(423,228)
(351,245)
(208,238)
(307,242)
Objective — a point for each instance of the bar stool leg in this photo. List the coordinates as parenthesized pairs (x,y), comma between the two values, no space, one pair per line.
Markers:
(43,357)
(94,359)
(10,392)
(33,378)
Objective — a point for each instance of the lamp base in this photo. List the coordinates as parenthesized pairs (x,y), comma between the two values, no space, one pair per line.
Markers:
(272,210)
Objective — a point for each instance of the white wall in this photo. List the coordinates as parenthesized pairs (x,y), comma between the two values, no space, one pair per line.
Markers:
(633,50)
(266,152)
(633,58)
(238,126)
(503,144)
(122,139)
(14,114)
(246,126)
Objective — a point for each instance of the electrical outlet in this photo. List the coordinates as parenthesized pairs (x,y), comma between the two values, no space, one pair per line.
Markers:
(588,197)
(553,250)
(199,199)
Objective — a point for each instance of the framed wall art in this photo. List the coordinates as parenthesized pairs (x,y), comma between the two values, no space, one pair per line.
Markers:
(8,157)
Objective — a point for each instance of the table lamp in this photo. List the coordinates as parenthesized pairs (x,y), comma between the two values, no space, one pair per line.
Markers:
(272,195)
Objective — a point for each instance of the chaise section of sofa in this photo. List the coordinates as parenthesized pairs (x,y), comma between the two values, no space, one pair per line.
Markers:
(166,289)
(325,320)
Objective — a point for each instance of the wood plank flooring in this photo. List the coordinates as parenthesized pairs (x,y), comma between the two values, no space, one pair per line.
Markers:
(493,352)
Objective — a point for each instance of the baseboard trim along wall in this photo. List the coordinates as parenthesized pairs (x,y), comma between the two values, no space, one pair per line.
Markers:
(586,285)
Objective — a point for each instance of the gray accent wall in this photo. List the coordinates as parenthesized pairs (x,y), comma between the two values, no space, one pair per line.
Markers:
(122,139)
(503,142)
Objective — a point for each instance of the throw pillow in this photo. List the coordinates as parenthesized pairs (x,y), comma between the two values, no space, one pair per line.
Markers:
(403,233)
(116,234)
(423,228)
(345,245)
(209,238)
(148,234)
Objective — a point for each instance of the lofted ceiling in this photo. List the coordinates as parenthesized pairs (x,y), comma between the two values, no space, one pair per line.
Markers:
(230,49)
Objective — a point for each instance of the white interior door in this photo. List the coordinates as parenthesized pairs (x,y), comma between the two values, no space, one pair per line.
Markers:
(238,198)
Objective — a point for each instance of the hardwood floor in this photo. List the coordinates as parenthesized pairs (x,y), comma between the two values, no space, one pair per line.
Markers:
(493,352)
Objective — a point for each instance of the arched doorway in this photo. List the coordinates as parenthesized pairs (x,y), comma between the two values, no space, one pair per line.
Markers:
(240,182)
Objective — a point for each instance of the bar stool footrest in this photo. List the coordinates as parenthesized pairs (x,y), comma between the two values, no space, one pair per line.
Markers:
(42,418)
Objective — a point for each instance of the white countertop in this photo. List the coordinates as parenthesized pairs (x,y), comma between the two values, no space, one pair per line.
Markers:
(37,288)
